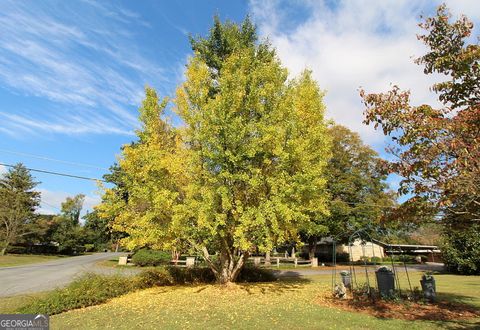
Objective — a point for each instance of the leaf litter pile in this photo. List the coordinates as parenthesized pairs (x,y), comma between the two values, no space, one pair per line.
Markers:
(405,310)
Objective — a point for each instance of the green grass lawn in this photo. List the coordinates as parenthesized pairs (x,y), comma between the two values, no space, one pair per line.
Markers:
(9,305)
(286,304)
(109,263)
(23,259)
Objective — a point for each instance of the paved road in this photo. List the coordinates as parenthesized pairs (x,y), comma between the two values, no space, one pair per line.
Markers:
(48,275)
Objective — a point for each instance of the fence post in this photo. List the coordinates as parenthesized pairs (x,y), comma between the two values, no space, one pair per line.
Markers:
(256,261)
(190,262)
(278,262)
(122,261)
(314,262)
(295,261)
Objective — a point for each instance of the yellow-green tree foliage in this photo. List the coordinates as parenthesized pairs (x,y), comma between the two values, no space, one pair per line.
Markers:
(150,181)
(245,171)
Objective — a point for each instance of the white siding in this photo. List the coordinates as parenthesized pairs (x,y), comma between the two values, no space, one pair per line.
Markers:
(358,250)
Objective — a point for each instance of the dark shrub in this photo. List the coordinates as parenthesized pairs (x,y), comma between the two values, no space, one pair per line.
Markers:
(375,260)
(154,277)
(401,258)
(46,249)
(406,258)
(146,257)
(16,249)
(205,275)
(88,290)
(391,257)
(255,274)
(192,275)
(304,255)
(461,250)
(71,250)
(343,257)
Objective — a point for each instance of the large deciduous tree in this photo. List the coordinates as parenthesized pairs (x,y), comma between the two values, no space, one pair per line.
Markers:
(359,195)
(18,201)
(438,150)
(246,169)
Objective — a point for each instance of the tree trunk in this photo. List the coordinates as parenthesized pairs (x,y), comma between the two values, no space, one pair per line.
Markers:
(230,269)
(267,259)
(229,266)
(312,248)
(175,257)
(4,249)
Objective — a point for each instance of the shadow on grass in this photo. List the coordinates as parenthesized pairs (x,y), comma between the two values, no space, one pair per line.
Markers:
(458,299)
(287,274)
(278,287)
(202,288)
(459,324)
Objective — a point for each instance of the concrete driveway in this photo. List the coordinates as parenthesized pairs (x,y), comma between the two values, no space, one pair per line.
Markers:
(48,275)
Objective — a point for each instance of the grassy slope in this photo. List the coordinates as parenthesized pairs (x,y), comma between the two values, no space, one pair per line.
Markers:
(282,305)
(23,259)
(11,304)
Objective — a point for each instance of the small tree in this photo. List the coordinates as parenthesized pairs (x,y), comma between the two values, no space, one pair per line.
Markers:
(97,230)
(438,150)
(71,209)
(68,233)
(18,201)
(114,202)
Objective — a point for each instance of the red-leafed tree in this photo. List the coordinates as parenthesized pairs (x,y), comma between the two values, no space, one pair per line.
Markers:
(438,150)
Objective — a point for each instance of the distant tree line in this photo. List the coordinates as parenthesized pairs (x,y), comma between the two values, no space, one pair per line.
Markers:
(23,230)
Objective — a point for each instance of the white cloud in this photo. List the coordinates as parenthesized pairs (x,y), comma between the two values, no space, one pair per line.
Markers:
(352,44)
(3,169)
(51,201)
(84,59)
(468,7)
(72,125)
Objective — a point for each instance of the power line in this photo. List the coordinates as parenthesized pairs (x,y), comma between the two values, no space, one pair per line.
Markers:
(53,159)
(101,180)
(50,205)
(59,174)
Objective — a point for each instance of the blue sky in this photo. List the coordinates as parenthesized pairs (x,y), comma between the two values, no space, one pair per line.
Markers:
(72,73)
